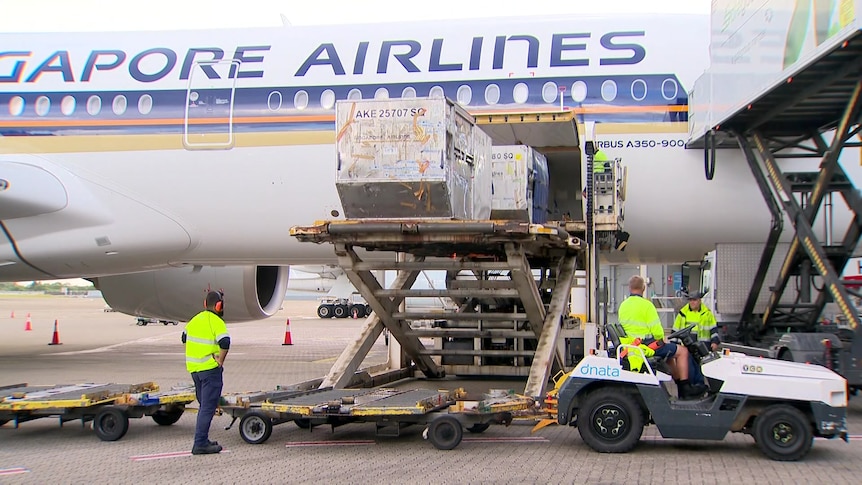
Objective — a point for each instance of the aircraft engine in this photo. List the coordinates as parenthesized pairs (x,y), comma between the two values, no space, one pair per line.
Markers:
(251,292)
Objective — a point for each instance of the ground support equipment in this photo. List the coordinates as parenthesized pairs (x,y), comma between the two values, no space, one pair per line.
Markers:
(108,406)
(445,413)
(511,282)
(811,117)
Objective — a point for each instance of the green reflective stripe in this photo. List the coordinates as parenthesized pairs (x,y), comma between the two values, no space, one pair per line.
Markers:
(221,336)
(199,360)
(200,340)
(636,329)
(704,331)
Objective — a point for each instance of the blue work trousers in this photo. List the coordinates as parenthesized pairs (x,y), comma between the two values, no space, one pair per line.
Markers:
(695,376)
(208,386)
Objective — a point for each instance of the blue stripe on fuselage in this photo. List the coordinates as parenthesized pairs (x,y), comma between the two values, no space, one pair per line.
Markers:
(624,91)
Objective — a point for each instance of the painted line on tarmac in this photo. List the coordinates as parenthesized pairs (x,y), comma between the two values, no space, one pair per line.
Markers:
(329,360)
(162,456)
(108,348)
(12,471)
(299,444)
(513,439)
(852,437)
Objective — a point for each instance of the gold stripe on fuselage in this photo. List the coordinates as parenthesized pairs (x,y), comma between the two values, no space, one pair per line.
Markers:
(174,141)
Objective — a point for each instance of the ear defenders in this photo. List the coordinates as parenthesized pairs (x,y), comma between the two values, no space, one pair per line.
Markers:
(219,306)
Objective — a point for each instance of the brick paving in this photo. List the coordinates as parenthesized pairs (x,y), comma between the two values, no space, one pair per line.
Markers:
(126,353)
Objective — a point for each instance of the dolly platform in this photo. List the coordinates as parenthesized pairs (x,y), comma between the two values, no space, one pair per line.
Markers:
(445,413)
(108,406)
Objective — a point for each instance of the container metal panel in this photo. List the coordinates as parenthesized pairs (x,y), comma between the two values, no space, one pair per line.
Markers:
(410,158)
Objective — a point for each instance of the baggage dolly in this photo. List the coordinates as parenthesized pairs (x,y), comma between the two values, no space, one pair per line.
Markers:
(108,406)
(445,413)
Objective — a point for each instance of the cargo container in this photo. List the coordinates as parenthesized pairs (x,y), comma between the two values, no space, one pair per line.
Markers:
(519,179)
(411,158)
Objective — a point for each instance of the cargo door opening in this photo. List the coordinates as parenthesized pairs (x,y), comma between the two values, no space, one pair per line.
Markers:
(209,107)
(554,136)
(565,191)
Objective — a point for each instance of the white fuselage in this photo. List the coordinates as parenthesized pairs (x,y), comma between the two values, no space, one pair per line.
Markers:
(129,151)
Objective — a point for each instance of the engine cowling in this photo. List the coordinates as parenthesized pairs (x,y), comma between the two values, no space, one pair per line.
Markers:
(251,292)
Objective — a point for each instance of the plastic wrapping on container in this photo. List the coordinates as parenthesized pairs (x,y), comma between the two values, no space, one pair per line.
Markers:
(482,191)
(520,184)
(541,188)
(411,158)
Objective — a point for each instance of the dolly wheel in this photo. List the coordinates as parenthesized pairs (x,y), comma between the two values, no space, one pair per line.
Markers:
(167,417)
(445,432)
(783,433)
(479,427)
(111,423)
(255,427)
(610,420)
(303,423)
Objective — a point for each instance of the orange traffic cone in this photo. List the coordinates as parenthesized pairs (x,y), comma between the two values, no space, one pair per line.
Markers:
(287,340)
(27,326)
(56,339)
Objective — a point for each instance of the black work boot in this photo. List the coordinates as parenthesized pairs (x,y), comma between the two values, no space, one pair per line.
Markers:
(687,390)
(206,450)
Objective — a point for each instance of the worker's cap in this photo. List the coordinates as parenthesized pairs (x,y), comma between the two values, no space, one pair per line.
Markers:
(695,295)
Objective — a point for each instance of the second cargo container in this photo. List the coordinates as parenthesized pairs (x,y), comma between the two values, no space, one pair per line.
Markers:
(519,184)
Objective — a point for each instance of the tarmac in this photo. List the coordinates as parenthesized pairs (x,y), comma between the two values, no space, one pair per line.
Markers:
(99,346)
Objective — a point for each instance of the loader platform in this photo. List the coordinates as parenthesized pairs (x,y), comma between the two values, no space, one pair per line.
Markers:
(509,281)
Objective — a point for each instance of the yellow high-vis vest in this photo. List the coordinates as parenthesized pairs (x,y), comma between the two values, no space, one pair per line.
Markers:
(202,335)
(704,319)
(639,319)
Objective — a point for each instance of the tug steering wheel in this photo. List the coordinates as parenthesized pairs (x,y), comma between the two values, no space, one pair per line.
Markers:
(679,333)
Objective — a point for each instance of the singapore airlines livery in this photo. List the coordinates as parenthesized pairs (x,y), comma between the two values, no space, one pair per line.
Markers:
(157,163)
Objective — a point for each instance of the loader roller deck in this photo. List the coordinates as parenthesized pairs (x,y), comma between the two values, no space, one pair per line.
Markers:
(445,413)
(109,406)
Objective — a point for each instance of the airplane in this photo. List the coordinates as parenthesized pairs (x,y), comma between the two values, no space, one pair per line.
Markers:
(159,163)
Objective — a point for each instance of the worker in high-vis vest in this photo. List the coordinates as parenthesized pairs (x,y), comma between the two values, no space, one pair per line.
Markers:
(600,165)
(640,320)
(696,312)
(207,343)
(600,162)
(706,329)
